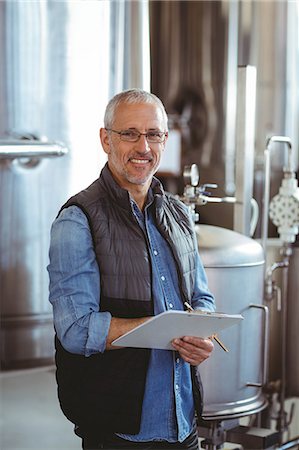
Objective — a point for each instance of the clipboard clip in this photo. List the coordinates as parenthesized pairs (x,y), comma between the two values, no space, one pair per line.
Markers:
(214,336)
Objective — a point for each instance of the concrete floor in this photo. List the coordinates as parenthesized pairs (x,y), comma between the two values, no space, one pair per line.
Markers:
(30,413)
(30,417)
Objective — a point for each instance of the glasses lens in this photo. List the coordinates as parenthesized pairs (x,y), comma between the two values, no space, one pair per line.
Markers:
(129,135)
(155,136)
(134,135)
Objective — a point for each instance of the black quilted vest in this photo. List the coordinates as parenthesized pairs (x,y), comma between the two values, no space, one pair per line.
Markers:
(104,392)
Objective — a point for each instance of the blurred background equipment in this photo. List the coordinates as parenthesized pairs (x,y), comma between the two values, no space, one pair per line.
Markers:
(227,72)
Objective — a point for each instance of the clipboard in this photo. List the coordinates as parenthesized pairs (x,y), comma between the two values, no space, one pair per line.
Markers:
(160,330)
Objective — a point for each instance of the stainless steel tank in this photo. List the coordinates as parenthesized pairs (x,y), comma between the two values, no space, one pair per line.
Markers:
(292,305)
(235,269)
(292,369)
(52,84)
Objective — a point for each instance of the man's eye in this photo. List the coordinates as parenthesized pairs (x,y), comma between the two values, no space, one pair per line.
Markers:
(154,134)
(129,133)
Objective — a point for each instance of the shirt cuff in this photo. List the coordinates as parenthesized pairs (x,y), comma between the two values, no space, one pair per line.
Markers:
(99,325)
(209,307)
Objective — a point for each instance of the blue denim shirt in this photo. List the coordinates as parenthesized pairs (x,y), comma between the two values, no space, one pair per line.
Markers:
(168,409)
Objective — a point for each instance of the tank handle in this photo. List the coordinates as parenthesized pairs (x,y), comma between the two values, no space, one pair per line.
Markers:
(265,310)
(17,148)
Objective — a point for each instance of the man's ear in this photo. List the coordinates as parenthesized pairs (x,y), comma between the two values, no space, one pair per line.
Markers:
(105,140)
(166,137)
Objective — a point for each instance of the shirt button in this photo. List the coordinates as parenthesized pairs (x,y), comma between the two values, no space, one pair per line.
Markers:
(155,252)
(170,305)
(163,278)
(178,360)
(177,386)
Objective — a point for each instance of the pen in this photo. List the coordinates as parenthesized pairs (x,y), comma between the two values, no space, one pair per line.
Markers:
(220,343)
(189,308)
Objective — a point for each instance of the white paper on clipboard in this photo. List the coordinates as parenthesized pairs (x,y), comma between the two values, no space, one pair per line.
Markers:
(160,330)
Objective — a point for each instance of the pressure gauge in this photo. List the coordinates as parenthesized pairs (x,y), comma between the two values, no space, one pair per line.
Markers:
(191,175)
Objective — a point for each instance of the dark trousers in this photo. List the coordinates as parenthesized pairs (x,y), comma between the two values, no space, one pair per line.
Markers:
(115,443)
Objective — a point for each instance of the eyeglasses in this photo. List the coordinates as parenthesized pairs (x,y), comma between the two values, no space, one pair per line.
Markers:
(154,137)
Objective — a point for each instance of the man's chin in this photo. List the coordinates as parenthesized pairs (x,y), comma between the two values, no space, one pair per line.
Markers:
(141,179)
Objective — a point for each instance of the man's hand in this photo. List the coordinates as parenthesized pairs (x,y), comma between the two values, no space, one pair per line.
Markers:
(192,349)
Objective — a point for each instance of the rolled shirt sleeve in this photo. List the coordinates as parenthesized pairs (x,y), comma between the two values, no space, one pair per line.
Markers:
(75,285)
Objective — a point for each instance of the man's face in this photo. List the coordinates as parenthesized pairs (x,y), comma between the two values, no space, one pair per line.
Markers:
(134,163)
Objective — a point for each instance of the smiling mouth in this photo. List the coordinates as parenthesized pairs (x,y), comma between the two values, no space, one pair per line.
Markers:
(139,161)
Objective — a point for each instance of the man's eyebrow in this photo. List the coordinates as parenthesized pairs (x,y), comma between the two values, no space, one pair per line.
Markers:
(149,129)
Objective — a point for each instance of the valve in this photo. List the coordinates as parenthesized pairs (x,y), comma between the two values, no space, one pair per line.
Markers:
(198,195)
(195,194)
(284,208)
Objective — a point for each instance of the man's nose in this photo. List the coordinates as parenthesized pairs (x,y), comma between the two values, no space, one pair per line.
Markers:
(143,144)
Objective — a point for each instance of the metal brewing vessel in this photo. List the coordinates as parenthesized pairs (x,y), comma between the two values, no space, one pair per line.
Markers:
(51,90)
(235,269)
(274,246)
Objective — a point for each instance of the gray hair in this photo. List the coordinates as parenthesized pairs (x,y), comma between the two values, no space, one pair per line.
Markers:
(131,96)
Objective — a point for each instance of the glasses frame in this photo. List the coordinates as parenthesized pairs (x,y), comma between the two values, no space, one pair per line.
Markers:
(139,134)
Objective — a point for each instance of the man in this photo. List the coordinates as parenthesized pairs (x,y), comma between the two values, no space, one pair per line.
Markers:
(121,251)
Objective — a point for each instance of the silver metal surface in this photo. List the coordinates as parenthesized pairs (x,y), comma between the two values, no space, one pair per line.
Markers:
(52,84)
(267,179)
(221,247)
(290,444)
(265,345)
(232,71)
(234,265)
(130,40)
(11,149)
(292,352)
(191,175)
(292,310)
(245,134)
